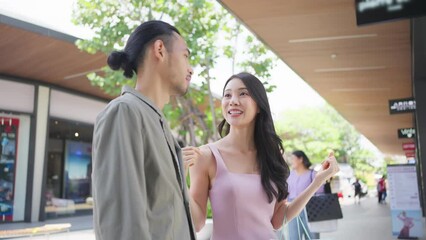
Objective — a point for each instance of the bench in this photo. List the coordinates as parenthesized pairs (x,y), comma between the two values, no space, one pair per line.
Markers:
(34,231)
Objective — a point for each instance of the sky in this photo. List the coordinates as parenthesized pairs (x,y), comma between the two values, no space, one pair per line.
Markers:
(291,91)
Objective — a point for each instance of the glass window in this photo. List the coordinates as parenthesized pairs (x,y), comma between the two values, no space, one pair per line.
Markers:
(69,168)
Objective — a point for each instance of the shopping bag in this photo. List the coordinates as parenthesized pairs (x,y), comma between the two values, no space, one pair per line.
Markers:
(323,226)
(282,234)
(324,207)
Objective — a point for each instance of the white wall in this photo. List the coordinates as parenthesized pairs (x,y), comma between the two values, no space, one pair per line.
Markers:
(18,97)
(73,107)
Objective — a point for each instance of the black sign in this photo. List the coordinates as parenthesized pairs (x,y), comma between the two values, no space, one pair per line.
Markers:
(402,105)
(406,133)
(371,11)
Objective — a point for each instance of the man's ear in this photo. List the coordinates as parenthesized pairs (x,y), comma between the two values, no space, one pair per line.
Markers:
(159,49)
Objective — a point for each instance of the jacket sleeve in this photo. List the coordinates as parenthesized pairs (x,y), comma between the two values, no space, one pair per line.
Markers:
(119,183)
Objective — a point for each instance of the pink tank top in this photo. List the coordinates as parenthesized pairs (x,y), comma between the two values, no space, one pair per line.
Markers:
(240,206)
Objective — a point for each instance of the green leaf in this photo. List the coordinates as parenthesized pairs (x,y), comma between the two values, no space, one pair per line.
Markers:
(201,22)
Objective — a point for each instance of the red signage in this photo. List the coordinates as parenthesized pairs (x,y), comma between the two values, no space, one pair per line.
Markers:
(410,154)
(8,151)
(409,146)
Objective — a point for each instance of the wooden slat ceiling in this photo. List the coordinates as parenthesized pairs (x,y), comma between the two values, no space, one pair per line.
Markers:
(35,56)
(34,53)
(356,69)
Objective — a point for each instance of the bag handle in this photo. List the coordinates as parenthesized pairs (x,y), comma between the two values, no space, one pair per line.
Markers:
(285,215)
(299,221)
(281,233)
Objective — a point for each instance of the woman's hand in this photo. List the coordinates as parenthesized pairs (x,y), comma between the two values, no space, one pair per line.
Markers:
(328,169)
(190,156)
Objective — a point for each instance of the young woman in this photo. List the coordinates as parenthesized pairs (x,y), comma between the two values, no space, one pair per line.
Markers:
(300,178)
(244,174)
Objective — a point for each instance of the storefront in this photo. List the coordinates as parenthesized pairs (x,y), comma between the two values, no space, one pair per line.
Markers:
(16,116)
(45,146)
(69,167)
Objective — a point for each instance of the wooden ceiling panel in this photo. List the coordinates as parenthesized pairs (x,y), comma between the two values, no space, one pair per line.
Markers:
(356,69)
(34,56)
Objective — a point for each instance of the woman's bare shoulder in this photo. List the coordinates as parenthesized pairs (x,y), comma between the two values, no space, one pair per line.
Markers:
(206,153)
(206,150)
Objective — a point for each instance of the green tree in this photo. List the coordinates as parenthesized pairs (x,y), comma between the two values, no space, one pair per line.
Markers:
(202,23)
(316,130)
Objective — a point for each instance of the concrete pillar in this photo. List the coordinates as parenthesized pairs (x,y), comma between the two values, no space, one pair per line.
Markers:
(40,151)
(418,48)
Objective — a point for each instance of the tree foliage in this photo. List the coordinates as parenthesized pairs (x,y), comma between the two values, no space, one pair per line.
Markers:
(203,24)
(316,130)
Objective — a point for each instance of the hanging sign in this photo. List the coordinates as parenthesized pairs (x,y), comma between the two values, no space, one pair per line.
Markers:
(372,11)
(407,133)
(408,146)
(402,105)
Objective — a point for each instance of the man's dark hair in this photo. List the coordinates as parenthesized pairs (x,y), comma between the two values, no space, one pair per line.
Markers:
(273,168)
(133,54)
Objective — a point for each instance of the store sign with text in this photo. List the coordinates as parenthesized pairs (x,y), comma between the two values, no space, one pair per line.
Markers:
(372,11)
(406,133)
(402,105)
(408,146)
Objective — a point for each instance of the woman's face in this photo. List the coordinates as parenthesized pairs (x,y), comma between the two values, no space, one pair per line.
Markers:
(296,162)
(238,107)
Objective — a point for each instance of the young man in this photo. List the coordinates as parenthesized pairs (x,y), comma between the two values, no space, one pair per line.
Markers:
(138,175)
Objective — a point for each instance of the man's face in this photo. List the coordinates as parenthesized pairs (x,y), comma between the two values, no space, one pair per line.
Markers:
(179,70)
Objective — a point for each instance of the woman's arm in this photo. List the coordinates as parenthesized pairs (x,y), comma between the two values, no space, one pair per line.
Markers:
(199,159)
(329,168)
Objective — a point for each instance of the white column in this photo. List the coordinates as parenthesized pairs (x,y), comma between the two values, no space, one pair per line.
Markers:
(42,117)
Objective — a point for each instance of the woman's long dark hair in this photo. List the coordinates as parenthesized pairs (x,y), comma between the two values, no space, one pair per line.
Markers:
(269,146)
(305,159)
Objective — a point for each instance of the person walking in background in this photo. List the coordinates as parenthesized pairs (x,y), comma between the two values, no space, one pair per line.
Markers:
(357,191)
(300,178)
(138,177)
(381,189)
(244,173)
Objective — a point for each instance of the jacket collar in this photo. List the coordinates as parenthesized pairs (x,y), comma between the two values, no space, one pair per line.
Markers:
(147,101)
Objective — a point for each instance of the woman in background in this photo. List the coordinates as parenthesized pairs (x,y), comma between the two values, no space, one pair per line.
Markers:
(300,178)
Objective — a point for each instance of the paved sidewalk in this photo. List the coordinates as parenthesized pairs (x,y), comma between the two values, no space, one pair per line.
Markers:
(77,223)
(366,221)
(81,229)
